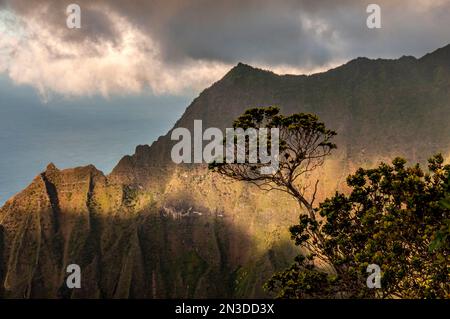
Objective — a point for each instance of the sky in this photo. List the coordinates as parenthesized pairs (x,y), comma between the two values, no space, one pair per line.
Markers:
(174,46)
(74,132)
(90,95)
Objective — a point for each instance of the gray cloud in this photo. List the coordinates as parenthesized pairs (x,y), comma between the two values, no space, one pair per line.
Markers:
(302,35)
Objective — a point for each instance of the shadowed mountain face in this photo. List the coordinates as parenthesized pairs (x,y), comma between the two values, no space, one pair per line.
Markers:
(152,229)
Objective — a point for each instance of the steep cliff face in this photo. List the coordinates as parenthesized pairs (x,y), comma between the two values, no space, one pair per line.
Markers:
(203,237)
(152,229)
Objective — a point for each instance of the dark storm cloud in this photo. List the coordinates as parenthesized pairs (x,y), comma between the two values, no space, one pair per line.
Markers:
(300,33)
(305,32)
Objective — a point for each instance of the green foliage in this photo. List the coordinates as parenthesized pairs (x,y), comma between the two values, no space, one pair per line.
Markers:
(397,217)
(446,201)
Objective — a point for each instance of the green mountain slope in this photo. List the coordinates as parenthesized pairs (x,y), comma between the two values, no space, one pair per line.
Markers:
(154,230)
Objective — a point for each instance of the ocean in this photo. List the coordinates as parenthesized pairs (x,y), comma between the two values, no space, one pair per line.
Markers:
(75,132)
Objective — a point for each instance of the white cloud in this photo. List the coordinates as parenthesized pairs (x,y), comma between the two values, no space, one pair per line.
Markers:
(50,63)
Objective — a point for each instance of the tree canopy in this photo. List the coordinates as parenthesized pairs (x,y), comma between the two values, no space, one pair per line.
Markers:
(304,143)
(395,216)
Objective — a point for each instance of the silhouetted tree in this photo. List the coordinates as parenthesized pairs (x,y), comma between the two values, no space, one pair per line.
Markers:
(304,143)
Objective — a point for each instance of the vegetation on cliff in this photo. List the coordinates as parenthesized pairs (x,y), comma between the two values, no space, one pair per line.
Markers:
(395,218)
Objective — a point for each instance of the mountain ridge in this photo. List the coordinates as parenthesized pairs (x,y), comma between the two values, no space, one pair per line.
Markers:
(244,73)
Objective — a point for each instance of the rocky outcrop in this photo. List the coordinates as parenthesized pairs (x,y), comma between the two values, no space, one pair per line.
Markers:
(191,242)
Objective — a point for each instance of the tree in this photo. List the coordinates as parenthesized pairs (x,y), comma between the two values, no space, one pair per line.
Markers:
(304,143)
(396,217)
